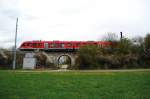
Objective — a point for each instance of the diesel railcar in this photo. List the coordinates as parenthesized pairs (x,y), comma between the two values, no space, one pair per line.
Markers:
(59,45)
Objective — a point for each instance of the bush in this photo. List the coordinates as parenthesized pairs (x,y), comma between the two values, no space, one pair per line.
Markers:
(43,61)
(6,59)
(87,57)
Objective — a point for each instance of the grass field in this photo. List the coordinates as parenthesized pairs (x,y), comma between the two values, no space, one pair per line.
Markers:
(74,85)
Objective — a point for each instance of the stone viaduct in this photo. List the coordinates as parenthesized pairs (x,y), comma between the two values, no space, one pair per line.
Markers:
(54,57)
(51,57)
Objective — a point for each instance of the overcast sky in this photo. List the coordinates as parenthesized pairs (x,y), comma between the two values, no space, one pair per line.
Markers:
(72,19)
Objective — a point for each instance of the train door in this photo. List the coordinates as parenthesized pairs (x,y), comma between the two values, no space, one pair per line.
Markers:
(46,46)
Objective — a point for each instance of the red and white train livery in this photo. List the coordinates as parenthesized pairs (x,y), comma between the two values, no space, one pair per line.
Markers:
(59,45)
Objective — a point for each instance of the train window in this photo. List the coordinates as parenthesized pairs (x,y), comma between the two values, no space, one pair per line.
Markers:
(23,44)
(30,44)
(34,44)
(39,44)
(62,45)
(53,45)
(69,44)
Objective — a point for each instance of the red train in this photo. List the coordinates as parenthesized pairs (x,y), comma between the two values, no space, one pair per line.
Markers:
(59,45)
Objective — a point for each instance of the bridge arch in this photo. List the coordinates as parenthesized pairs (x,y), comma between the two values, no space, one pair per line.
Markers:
(71,60)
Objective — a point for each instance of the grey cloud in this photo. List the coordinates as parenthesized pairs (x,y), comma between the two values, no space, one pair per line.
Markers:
(11,13)
(8,12)
(7,41)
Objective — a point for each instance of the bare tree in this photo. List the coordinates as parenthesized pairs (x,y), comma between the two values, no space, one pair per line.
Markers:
(110,37)
(138,40)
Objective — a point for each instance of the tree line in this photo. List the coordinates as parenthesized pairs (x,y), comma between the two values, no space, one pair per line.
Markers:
(122,54)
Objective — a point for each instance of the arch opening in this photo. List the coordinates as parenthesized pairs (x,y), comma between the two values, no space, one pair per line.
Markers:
(64,62)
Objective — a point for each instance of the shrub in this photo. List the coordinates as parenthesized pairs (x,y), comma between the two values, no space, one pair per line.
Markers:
(87,57)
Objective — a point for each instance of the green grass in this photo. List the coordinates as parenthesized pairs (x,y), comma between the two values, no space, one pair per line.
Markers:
(74,85)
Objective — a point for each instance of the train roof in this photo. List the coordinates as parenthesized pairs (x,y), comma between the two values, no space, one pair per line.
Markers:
(60,41)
